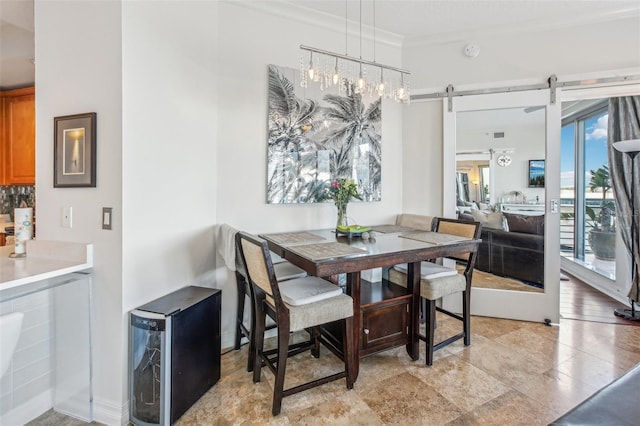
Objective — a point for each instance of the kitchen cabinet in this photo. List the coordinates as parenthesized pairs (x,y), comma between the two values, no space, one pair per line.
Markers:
(18,148)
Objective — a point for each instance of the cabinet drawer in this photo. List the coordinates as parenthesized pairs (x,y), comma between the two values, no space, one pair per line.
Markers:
(385,325)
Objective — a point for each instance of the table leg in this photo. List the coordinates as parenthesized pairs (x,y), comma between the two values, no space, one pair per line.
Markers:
(353,290)
(413,286)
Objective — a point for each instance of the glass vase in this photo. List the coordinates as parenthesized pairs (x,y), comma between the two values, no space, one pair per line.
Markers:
(342,216)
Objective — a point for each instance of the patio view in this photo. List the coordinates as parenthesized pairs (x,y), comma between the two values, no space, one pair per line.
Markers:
(588,205)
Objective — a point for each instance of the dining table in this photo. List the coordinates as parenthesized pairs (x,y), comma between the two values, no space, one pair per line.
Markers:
(326,253)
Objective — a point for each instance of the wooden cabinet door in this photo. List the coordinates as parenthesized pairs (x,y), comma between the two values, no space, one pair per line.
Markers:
(385,325)
(19,136)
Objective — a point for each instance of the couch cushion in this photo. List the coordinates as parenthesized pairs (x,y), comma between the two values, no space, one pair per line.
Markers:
(489,220)
(525,224)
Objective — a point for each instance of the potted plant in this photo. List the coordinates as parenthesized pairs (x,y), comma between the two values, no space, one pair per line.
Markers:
(602,236)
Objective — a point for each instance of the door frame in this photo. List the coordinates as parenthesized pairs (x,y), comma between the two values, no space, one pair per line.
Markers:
(527,306)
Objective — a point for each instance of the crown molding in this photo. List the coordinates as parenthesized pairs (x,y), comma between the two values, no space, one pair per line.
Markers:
(295,12)
(629,11)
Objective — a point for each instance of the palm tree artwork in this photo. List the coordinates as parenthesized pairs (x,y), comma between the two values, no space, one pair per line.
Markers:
(313,142)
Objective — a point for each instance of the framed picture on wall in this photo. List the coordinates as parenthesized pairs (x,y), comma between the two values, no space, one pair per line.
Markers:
(74,154)
(536,173)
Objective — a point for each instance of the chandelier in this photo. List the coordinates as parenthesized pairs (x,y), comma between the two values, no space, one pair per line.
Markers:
(353,75)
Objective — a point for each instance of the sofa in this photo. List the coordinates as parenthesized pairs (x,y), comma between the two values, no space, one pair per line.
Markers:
(615,404)
(512,245)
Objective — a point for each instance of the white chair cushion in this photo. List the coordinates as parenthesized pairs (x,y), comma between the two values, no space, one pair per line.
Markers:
(302,291)
(429,270)
(321,312)
(432,289)
(275,258)
(286,271)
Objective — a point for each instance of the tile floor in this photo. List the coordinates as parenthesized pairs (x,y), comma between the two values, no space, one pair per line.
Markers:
(514,373)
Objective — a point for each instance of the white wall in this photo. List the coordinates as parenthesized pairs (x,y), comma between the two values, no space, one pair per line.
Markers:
(181,147)
(527,142)
(259,39)
(169,109)
(182,138)
(251,40)
(504,59)
(78,46)
(422,162)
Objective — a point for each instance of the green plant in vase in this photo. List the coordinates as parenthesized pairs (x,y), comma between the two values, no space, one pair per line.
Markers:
(341,191)
(602,236)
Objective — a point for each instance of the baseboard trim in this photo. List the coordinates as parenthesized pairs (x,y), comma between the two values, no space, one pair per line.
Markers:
(110,412)
(28,411)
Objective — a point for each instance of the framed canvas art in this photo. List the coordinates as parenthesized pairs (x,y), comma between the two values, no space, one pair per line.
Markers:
(74,155)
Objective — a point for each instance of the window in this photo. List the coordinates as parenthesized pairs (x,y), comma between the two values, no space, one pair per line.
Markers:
(587,233)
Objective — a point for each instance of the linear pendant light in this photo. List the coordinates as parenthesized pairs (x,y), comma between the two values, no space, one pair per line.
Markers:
(354,75)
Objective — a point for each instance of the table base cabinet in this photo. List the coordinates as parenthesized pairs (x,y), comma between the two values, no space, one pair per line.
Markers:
(384,318)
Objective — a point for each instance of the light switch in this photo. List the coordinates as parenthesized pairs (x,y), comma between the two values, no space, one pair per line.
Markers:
(106,217)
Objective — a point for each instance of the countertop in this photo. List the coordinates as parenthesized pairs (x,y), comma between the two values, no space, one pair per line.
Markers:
(44,260)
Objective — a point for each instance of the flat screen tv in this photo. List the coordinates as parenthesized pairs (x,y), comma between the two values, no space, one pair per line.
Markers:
(536,173)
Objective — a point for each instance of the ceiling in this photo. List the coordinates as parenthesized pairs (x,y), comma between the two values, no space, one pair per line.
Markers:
(411,21)
(427,20)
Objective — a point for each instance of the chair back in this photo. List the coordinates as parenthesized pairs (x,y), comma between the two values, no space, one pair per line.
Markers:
(462,229)
(421,222)
(256,258)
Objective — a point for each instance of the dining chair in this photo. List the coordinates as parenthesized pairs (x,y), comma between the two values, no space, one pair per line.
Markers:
(229,251)
(437,281)
(297,304)
(284,271)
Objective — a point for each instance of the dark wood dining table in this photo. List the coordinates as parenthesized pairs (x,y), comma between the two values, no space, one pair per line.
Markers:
(322,253)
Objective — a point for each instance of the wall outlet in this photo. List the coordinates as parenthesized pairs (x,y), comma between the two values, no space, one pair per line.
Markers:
(67,217)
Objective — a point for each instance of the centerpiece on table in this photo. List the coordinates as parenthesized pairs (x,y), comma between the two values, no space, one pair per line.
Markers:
(341,191)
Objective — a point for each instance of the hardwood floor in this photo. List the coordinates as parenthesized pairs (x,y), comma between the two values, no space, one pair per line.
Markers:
(580,301)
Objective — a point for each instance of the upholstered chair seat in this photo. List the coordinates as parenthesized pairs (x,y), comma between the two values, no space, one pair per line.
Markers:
(437,281)
(284,270)
(297,304)
(433,285)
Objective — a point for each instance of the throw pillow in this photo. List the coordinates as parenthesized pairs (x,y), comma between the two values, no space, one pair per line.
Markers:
(525,224)
(488,220)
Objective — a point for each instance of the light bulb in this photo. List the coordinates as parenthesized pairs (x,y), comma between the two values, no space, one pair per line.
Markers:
(311,71)
(361,82)
(380,87)
(400,92)
(336,75)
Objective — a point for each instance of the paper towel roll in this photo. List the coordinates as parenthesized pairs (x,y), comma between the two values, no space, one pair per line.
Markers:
(23,218)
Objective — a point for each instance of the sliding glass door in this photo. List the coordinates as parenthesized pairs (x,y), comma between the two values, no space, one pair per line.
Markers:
(588,207)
